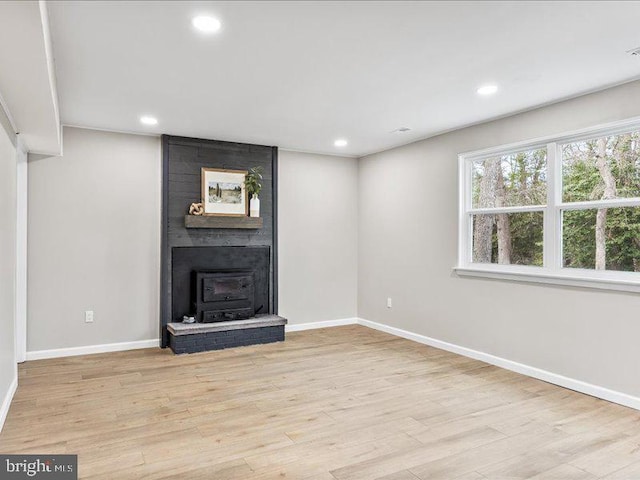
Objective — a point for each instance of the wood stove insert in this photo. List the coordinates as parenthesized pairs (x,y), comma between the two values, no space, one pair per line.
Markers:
(223,296)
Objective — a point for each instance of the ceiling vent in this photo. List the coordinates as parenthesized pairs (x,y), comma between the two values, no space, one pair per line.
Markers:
(634,52)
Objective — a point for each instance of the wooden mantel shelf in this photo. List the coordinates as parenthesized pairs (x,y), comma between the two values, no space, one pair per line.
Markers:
(205,221)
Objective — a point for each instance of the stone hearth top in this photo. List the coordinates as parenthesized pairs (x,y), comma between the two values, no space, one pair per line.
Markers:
(254,322)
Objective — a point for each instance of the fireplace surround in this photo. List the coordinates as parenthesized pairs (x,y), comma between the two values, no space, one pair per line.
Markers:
(194,268)
(200,264)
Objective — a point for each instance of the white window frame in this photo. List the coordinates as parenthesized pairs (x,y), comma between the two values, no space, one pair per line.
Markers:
(552,271)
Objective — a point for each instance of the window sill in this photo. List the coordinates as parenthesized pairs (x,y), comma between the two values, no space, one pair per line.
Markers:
(618,281)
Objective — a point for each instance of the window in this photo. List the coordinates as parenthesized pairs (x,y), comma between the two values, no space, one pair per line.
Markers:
(559,210)
(508,197)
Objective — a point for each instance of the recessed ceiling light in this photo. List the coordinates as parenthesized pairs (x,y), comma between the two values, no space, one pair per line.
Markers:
(487,90)
(147,120)
(341,142)
(634,51)
(206,24)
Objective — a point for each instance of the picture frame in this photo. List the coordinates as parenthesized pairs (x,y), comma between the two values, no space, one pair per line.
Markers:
(224,193)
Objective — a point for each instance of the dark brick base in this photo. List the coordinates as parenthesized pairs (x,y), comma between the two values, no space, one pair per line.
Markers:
(202,342)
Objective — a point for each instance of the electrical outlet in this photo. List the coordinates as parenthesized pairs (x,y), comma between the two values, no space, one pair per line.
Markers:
(389,303)
(88,316)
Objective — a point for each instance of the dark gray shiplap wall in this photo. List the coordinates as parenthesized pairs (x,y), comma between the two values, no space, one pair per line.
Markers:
(182,160)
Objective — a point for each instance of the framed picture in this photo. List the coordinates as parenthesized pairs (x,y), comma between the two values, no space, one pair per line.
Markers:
(224,192)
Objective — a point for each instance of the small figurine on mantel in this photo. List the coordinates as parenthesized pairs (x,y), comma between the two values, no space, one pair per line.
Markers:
(196,209)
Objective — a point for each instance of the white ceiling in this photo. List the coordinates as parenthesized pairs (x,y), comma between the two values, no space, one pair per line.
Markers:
(301,74)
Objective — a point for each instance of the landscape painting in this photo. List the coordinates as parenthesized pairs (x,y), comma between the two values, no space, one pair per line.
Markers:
(223,192)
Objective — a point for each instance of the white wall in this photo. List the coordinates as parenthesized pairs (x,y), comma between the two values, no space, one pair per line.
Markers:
(8,217)
(94,238)
(94,241)
(408,246)
(317,237)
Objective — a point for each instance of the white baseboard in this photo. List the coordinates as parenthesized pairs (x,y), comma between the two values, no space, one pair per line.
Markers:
(324,324)
(544,375)
(86,350)
(6,402)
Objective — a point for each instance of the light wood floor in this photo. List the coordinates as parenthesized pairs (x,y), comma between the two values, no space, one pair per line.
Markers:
(344,403)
